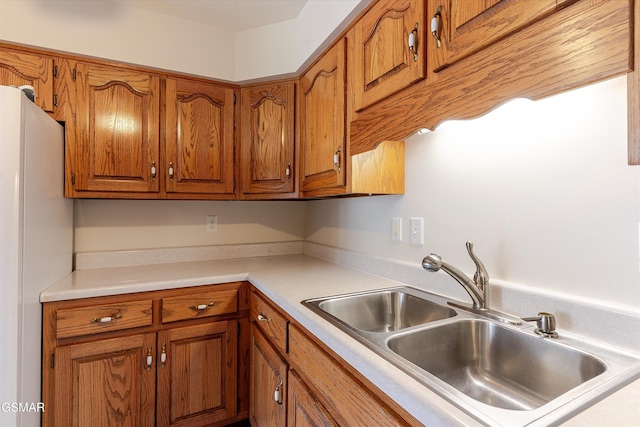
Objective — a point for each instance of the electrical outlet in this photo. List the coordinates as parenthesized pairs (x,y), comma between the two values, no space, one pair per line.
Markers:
(212,223)
(417,231)
(396,229)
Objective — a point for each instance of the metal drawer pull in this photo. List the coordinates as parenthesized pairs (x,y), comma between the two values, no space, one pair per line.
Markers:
(106,319)
(202,306)
(263,318)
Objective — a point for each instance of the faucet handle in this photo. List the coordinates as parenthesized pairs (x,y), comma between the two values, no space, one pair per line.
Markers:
(546,323)
(481,277)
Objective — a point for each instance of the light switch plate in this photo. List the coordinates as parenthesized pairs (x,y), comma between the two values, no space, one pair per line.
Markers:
(417,231)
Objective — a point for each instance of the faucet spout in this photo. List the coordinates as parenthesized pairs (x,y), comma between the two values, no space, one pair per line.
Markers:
(476,288)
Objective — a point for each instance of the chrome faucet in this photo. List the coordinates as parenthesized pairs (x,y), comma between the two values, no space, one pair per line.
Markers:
(477,288)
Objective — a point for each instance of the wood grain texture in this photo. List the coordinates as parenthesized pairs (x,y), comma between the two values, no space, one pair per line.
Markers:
(267,139)
(469,26)
(633,90)
(118,129)
(179,307)
(110,385)
(197,383)
(268,372)
(20,68)
(199,137)
(80,321)
(323,121)
(347,400)
(303,409)
(578,45)
(382,63)
(274,324)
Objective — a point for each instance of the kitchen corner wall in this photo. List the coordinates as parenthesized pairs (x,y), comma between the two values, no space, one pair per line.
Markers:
(542,189)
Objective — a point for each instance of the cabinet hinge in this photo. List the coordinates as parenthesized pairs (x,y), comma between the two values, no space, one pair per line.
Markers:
(55,71)
(73,75)
(73,178)
(53,360)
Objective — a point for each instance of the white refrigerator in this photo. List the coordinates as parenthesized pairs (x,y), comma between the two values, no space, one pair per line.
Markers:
(36,246)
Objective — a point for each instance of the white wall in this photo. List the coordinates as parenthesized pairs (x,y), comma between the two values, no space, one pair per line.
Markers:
(542,189)
(112,30)
(284,47)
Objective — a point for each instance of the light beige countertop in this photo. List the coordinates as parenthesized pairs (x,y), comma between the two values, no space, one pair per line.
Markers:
(289,279)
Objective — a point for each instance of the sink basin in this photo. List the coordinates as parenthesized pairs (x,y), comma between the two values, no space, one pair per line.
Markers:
(382,311)
(501,373)
(496,365)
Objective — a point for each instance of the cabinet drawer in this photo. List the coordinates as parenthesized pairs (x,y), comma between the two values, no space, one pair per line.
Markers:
(72,322)
(199,304)
(270,321)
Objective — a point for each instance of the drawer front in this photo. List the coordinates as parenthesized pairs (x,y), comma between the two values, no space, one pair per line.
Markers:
(73,322)
(199,304)
(270,321)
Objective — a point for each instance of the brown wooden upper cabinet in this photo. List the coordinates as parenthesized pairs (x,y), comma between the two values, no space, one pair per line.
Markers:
(323,141)
(389,51)
(20,68)
(461,28)
(114,133)
(199,138)
(267,141)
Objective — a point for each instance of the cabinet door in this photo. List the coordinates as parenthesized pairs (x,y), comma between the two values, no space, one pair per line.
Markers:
(267,139)
(197,374)
(303,409)
(383,63)
(268,383)
(322,121)
(199,137)
(467,26)
(19,68)
(106,383)
(115,131)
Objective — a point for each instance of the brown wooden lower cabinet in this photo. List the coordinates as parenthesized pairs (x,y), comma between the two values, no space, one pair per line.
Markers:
(184,371)
(306,380)
(303,408)
(268,383)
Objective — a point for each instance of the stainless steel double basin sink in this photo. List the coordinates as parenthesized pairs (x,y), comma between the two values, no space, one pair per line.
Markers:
(500,374)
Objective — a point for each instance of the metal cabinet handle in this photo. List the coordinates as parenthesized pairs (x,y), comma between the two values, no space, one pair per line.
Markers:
(436,28)
(277,394)
(163,355)
(202,307)
(153,170)
(263,318)
(106,319)
(413,42)
(149,358)
(336,159)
